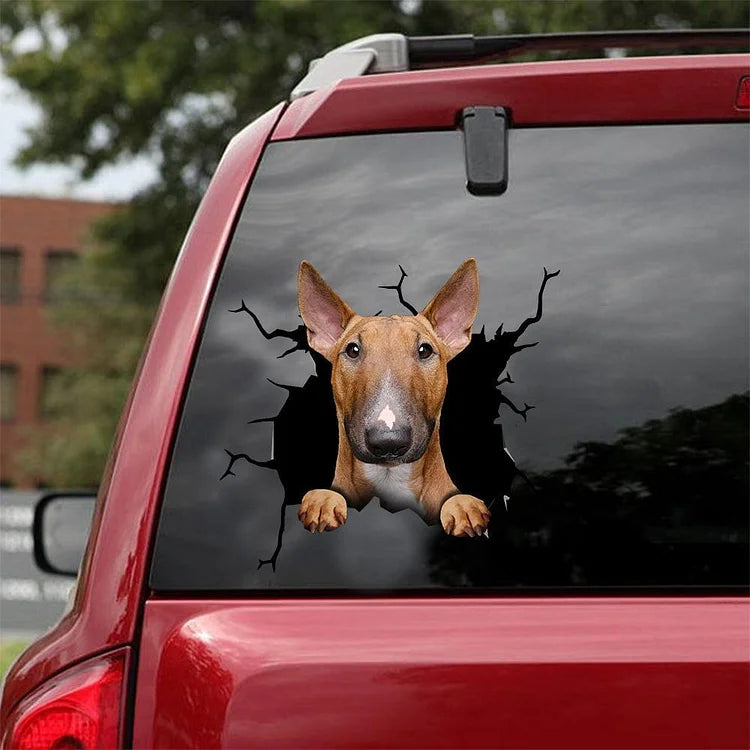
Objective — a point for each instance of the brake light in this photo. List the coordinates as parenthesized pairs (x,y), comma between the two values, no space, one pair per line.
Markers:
(80,709)
(743,94)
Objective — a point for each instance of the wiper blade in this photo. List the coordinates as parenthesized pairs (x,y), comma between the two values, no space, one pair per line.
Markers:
(441,50)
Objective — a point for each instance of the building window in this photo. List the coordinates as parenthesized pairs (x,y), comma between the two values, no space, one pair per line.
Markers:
(57,264)
(49,393)
(10,275)
(8,392)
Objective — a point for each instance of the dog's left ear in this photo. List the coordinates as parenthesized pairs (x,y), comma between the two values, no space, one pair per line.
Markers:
(453,309)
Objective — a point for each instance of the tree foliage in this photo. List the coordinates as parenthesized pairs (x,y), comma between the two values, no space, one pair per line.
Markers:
(174,81)
(665,502)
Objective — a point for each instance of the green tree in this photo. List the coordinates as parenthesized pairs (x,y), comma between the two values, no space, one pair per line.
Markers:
(174,81)
(665,502)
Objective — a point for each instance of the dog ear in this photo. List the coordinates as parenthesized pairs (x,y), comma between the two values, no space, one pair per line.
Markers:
(453,309)
(323,312)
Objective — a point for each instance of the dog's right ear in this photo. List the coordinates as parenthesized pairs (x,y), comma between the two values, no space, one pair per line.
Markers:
(323,312)
(453,309)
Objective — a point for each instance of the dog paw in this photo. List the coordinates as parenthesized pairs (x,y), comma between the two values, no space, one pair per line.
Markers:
(464,515)
(322,510)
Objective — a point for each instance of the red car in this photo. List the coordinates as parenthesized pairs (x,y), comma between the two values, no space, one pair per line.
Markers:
(598,412)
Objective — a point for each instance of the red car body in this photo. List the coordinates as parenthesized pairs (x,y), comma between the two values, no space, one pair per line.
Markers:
(442,672)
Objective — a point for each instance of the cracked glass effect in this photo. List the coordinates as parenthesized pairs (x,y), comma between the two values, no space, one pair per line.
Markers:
(471,438)
(627,424)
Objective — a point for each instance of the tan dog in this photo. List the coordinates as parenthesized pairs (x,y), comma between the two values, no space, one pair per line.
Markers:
(389,379)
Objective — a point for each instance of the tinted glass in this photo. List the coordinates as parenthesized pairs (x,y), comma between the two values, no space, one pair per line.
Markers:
(627,422)
(10,276)
(8,392)
(50,388)
(57,264)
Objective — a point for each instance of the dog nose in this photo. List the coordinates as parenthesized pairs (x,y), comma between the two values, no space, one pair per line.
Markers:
(382,442)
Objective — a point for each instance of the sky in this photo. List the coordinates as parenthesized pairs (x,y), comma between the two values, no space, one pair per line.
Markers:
(119,182)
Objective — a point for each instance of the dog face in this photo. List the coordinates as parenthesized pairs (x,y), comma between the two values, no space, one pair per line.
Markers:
(389,375)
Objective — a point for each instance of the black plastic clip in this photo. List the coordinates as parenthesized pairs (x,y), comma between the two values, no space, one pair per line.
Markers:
(486,149)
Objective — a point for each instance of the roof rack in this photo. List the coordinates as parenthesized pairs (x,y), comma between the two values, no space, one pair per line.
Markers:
(390,53)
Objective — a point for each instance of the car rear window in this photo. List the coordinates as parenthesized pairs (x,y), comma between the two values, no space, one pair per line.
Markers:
(600,413)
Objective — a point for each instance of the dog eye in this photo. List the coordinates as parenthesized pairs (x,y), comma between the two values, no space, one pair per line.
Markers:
(425,351)
(352,350)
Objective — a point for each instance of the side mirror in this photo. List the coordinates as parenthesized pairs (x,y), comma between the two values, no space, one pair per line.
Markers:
(61,530)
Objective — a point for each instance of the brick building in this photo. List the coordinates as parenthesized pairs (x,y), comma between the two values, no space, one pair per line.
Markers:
(39,239)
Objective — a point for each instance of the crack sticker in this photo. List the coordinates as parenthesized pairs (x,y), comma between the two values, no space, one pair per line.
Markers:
(403,408)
